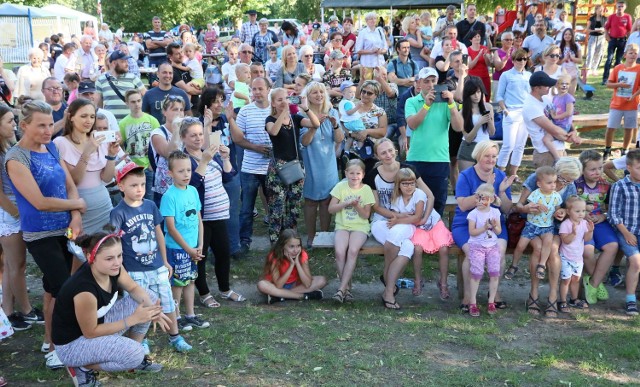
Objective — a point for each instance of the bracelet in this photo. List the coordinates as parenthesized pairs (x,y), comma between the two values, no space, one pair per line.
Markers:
(306,111)
(126,327)
(452,105)
(335,127)
(426,107)
(110,158)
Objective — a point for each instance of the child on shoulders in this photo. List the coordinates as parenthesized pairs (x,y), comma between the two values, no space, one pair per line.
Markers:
(561,114)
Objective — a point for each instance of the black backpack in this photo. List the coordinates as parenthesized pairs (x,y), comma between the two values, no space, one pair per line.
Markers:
(394,61)
(154,156)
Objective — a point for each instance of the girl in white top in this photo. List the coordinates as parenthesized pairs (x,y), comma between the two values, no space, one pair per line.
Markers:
(478,121)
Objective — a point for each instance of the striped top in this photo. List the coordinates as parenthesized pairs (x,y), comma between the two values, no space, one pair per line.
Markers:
(161,52)
(110,99)
(216,200)
(251,120)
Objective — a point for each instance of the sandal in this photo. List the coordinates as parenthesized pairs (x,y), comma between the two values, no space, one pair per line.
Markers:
(390,305)
(499,304)
(563,307)
(579,304)
(396,289)
(444,291)
(511,272)
(464,308)
(551,311)
(209,302)
(339,296)
(541,271)
(532,306)
(233,296)
(348,296)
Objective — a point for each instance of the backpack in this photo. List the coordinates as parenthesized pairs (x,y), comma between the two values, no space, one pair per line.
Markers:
(395,66)
(152,154)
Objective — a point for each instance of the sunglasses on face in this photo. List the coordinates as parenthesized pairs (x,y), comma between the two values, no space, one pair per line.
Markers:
(508,40)
(367,92)
(308,56)
(247,52)
(524,59)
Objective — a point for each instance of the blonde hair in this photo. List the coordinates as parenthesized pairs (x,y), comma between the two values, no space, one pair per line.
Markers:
(550,49)
(241,66)
(571,200)
(482,147)
(406,22)
(632,46)
(355,163)
(403,174)
(565,77)
(272,94)
(488,190)
(285,53)
(569,168)
(303,49)
(373,84)
(544,171)
(312,86)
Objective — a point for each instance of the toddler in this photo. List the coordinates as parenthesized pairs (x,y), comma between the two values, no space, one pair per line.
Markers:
(349,116)
(241,86)
(426,30)
(195,68)
(562,114)
(72,82)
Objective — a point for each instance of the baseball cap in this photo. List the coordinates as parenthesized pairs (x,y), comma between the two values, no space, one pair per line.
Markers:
(427,72)
(86,87)
(345,84)
(540,78)
(252,12)
(336,54)
(128,167)
(118,55)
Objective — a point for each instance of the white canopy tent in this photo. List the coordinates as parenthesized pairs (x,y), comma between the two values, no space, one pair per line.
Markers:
(69,12)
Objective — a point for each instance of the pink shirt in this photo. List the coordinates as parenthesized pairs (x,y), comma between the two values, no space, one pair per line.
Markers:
(70,154)
(573,251)
(488,238)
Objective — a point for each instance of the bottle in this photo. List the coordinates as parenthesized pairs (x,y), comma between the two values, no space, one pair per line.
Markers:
(405,283)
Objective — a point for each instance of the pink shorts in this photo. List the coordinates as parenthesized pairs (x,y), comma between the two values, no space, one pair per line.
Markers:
(479,255)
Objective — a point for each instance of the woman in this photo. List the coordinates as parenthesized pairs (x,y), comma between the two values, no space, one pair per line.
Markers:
(291,36)
(518,39)
(551,65)
(381,180)
(315,70)
(318,154)
(520,24)
(263,39)
(101,62)
(7,83)
(105,34)
(595,47)
(414,36)
(570,57)
(210,39)
(31,76)
(568,170)
(513,88)
(291,68)
(502,60)
(284,131)
(479,59)
(48,203)
(485,153)
(211,167)
(348,37)
(478,121)
(443,62)
(375,122)
(337,40)
(187,37)
(371,45)
(87,344)
(334,76)
(90,30)
(301,81)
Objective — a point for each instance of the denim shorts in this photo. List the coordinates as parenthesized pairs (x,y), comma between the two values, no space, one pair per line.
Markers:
(157,282)
(626,248)
(531,231)
(289,286)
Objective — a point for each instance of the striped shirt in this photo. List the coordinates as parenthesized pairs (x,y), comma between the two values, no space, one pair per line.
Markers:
(624,205)
(216,200)
(251,120)
(110,99)
(160,52)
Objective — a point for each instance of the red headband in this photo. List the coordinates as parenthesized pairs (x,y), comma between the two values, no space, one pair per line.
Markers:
(92,257)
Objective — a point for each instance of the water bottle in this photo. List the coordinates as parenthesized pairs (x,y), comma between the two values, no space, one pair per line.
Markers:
(405,283)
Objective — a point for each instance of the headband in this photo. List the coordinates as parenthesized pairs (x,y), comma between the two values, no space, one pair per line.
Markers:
(92,257)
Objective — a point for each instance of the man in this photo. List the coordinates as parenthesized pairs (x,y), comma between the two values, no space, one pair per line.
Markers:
(55,49)
(388,100)
(402,70)
(245,53)
(441,25)
(538,123)
(156,41)
(152,100)
(429,150)
(257,70)
(114,84)
(247,131)
(455,83)
(452,33)
(133,63)
(536,44)
(550,20)
(65,62)
(87,90)
(531,16)
(181,78)
(469,24)
(249,28)
(617,29)
(86,58)
(52,91)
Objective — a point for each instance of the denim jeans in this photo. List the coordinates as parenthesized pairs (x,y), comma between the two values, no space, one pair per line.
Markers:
(233,223)
(148,193)
(250,184)
(617,46)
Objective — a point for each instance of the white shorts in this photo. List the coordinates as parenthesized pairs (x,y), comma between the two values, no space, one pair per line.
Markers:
(8,224)
(399,235)
(616,116)
(570,268)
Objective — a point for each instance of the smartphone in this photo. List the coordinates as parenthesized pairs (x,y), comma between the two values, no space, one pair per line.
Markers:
(465,59)
(109,135)
(294,99)
(214,138)
(493,49)
(438,89)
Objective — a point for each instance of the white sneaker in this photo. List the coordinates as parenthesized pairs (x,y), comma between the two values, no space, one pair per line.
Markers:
(45,347)
(52,360)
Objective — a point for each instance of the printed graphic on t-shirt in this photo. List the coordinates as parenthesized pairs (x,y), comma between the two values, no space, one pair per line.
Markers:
(137,141)
(143,237)
(629,78)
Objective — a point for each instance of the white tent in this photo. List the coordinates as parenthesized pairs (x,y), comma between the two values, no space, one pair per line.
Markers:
(69,12)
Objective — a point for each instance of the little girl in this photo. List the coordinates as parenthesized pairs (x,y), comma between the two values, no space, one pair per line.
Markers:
(426,30)
(484,228)
(72,82)
(195,68)
(287,274)
(574,231)
(351,201)
(562,114)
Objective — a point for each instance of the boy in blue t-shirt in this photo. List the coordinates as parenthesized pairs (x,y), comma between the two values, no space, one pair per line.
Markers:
(180,207)
(143,245)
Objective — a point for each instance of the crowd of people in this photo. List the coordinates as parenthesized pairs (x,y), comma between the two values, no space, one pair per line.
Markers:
(331,122)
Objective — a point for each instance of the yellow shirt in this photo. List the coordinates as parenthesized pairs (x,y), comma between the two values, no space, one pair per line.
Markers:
(348,218)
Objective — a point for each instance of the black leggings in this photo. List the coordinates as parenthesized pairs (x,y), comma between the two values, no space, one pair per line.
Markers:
(215,236)
(54,260)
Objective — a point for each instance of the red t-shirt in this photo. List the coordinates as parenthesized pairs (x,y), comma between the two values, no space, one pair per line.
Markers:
(347,38)
(619,26)
(293,277)
(620,98)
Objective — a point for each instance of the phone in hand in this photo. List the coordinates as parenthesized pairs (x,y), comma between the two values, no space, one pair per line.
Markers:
(109,135)
(465,59)
(438,89)
(214,138)
(294,99)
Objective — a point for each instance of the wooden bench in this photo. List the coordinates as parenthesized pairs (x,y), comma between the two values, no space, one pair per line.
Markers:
(326,240)
(591,122)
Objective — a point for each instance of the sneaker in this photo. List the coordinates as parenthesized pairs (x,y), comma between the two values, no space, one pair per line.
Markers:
(244,249)
(474,311)
(44,348)
(145,347)
(615,278)
(196,322)
(590,293)
(632,308)
(255,213)
(34,317)
(52,361)
(491,309)
(18,323)
(314,295)
(180,345)
(602,294)
(273,300)
(183,325)
(83,378)
(148,366)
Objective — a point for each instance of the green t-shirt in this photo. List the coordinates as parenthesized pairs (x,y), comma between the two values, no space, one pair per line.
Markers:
(430,140)
(135,134)
(242,88)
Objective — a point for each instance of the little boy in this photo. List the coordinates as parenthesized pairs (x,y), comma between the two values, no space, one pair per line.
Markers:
(195,68)
(143,246)
(273,65)
(180,207)
(349,116)
(241,86)
(625,82)
(561,113)
(624,215)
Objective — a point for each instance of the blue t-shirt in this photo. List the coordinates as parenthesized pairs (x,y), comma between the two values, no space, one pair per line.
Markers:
(152,101)
(139,244)
(184,206)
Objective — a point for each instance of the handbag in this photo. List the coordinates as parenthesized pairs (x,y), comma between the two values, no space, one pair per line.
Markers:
(515,225)
(291,171)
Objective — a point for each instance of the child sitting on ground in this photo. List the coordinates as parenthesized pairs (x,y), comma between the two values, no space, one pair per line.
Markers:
(241,87)
(349,116)
(562,115)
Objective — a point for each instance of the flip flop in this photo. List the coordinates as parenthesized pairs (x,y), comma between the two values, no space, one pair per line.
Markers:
(390,305)
(209,302)
(396,289)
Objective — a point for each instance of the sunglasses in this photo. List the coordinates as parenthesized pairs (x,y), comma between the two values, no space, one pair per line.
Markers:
(337,40)
(247,52)
(555,56)
(52,89)
(308,56)
(508,40)
(524,59)
(367,92)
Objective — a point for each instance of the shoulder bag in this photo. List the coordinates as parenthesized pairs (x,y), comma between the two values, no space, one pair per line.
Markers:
(291,171)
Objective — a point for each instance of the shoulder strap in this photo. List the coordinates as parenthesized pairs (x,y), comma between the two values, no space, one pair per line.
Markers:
(113,87)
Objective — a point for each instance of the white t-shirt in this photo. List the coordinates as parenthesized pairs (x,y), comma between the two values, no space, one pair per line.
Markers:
(410,208)
(535,109)
(560,26)
(135,49)
(59,67)
(620,162)
(196,69)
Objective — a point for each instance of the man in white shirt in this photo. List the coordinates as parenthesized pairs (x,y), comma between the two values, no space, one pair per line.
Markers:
(441,25)
(537,43)
(65,63)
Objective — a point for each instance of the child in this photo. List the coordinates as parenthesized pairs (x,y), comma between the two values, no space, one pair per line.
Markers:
(426,30)
(562,114)
(541,223)
(351,201)
(287,274)
(484,228)
(273,65)
(625,82)
(143,247)
(624,215)
(72,81)
(181,207)
(594,190)
(349,116)
(574,232)
(241,87)
(195,67)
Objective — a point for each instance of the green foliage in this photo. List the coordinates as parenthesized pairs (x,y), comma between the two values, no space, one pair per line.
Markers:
(489,6)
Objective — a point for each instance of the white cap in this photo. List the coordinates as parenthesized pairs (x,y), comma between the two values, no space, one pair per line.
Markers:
(427,72)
